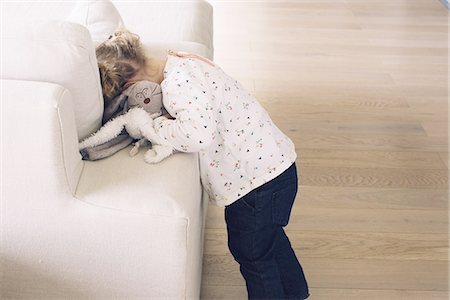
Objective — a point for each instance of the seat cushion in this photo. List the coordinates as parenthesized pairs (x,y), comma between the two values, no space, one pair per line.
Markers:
(169,188)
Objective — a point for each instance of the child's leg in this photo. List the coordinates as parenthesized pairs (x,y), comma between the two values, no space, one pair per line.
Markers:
(259,244)
(292,276)
(252,246)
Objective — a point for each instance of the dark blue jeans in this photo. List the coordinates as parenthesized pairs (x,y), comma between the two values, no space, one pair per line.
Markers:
(257,240)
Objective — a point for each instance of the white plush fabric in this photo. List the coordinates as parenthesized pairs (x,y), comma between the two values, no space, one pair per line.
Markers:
(28,11)
(129,230)
(99,16)
(159,49)
(170,21)
(43,113)
(138,123)
(113,229)
(58,52)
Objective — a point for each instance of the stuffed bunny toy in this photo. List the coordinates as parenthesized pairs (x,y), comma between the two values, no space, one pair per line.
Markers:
(147,95)
(134,111)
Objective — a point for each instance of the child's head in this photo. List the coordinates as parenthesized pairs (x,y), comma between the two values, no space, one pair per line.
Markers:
(114,75)
(120,58)
(122,45)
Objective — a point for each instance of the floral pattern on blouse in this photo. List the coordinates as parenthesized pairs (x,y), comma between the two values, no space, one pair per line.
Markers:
(239,146)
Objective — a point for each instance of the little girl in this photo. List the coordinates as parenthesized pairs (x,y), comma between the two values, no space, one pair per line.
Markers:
(247,166)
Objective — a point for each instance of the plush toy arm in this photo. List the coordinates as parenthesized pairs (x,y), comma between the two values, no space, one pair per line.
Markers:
(137,145)
(109,131)
(148,131)
(137,120)
(132,121)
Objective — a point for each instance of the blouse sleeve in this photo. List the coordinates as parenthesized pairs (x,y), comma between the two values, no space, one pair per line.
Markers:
(186,98)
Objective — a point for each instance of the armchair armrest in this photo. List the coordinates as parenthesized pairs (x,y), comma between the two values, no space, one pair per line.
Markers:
(39,138)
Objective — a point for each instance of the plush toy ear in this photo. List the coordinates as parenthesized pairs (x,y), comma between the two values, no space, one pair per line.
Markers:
(114,107)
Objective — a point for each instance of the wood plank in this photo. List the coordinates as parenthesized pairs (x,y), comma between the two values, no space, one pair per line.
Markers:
(402,27)
(372,198)
(313,113)
(354,220)
(310,105)
(373,220)
(360,273)
(366,294)
(369,177)
(369,159)
(439,80)
(436,128)
(397,66)
(216,292)
(359,142)
(281,89)
(338,77)
(444,156)
(239,292)
(315,99)
(325,34)
(410,128)
(351,245)
(424,91)
(431,106)
(334,49)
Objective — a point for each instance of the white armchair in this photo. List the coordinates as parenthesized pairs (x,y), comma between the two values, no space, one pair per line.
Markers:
(116,228)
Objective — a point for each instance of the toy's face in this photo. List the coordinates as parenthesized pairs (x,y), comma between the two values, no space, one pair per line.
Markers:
(143,96)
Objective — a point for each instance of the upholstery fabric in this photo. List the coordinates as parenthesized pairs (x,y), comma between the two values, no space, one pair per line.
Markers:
(164,21)
(131,230)
(99,16)
(112,229)
(170,21)
(159,49)
(59,52)
(39,135)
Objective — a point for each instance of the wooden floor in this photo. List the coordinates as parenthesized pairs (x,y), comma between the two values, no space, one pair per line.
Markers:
(361,88)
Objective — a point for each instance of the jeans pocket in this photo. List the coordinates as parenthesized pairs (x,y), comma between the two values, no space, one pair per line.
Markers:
(248,202)
(282,202)
(240,214)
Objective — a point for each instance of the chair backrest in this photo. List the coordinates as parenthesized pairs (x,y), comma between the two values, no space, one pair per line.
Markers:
(57,52)
(42,42)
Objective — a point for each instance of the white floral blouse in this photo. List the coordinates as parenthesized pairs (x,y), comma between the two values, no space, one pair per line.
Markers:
(239,146)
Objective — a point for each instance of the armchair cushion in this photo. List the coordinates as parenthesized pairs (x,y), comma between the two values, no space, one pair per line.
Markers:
(120,182)
(57,52)
(99,16)
(170,21)
(159,49)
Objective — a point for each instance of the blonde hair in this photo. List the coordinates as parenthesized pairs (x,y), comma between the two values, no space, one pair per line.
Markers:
(122,61)
(114,76)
